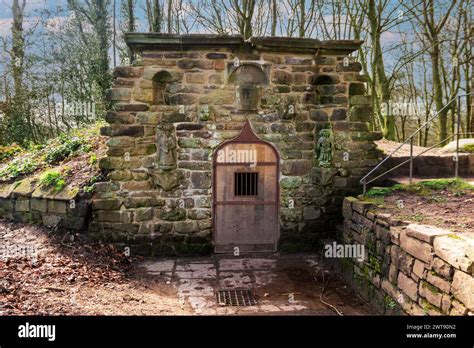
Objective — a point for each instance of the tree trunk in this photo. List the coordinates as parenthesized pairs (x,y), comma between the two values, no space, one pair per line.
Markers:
(131,16)
(379,68)
(302,18)
(18,46)
(102,30)
(170,15)
(156,16)
(438,92)
(274,17)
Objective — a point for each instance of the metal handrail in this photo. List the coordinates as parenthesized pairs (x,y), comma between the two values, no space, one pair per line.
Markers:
(364,181)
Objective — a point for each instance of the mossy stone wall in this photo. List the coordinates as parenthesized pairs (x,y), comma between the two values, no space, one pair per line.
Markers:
(181,94)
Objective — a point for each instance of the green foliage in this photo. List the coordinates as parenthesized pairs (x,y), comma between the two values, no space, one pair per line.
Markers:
(441,184)
(67,146)
(390,302)
(19,167)
(375,264)
(89,188)
(14,125)
(53,180)
(7,152)
(93,159)
(382,191)
(56,150)
(425,187)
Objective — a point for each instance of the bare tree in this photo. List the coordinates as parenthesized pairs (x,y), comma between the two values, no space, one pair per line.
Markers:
(431,23)
(95,13)
(18,44)
(245,17)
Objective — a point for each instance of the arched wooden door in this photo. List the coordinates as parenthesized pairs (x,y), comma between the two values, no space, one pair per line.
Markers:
(246,194)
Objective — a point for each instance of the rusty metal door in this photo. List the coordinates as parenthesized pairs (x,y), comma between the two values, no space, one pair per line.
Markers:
(246,194)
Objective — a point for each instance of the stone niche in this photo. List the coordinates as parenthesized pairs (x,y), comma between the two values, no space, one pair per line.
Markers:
(186,94)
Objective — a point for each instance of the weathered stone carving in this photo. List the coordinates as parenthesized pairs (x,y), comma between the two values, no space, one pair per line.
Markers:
(164,173)
(324,148)
(166,147)
(323,177)
(167,180)
(247,78)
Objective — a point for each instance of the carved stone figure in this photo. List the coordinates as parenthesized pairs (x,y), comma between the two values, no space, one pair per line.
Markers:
(167,180)
(324,148)
(166,147)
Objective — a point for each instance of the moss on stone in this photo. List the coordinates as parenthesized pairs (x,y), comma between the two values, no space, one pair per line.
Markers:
(433,289)
(428,306)
(177,214)
(290,183)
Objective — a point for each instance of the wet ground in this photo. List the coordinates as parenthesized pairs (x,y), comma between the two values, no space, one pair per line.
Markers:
(43,273)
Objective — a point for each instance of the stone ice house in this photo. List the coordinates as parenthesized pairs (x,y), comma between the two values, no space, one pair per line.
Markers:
(218,144)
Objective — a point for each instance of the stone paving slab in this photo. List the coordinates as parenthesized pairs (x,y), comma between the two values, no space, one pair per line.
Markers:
(283,284)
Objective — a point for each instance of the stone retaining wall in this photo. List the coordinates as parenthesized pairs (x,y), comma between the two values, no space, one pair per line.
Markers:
(408,268)
(25,201)
(432,166)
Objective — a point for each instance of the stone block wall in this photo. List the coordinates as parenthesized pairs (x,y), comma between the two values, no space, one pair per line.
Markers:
(432,166)
(185,95)
(26,201)
(408,268)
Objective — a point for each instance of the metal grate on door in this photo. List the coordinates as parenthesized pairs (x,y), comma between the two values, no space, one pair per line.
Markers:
(246,184)
(236,297)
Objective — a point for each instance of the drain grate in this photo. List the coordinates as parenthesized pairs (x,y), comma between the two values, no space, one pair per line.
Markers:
(236,297)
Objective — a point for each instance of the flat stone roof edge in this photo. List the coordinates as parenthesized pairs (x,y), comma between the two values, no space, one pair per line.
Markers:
(149,41)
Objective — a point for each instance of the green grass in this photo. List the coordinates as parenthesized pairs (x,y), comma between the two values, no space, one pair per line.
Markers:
(469,148)
(445,184)
(383,191)
(426,187)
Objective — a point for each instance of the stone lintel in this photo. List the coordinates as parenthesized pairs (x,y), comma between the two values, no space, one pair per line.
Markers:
(139,42)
